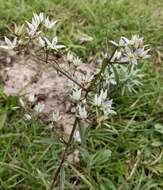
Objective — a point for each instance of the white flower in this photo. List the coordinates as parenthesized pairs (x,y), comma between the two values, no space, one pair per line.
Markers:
(110,102)
(41,42)
(77,61)
(18,29)
(122,42)
(107,108)
(39,107)
(82,112)
(99,99)
(56,116)
(129,56)
(76,94)
(130,51)
(110,79)
(109,112)
(9,44)
(136,41)
(77,136)
(142,53)
(27,117)
(53,45)
(117,55)
(69,57)
(38,19)
(32,29)
(32,97)
(103,94)
(87,78)
(33,26)
(49,24)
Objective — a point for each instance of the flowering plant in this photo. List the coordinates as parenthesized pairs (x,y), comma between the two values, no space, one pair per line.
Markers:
(90,92)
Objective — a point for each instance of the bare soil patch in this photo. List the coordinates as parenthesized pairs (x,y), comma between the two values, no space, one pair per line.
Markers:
(26,74)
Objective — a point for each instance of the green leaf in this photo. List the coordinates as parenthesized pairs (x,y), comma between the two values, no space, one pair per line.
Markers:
(83,177)
(156,143)
(83,130)
(116,74)
(100,157)
(159,128)
(107,184)
(62,179)
(3,118)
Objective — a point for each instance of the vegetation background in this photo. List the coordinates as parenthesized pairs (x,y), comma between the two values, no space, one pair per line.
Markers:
(29,153)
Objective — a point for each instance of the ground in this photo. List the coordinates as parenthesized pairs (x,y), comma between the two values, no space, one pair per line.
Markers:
(29,152)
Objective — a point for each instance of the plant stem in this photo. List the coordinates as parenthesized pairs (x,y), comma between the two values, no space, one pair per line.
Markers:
(63,158)
(87,90)
(46,55)
(105,64)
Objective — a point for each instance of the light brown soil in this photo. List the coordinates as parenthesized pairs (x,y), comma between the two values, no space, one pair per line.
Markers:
(25,75)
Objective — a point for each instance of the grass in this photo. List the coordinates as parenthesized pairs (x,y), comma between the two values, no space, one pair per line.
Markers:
(29,153)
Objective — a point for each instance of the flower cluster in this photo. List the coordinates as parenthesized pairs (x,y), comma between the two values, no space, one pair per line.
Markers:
(109,78)
(9,45)
(103,104)
(82,112)
(76,94)
(99,99)
(71,58)
(35,32)
(33,27)
(51,45)
(130,51)
(90,92)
